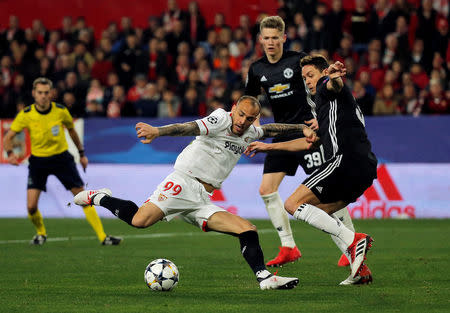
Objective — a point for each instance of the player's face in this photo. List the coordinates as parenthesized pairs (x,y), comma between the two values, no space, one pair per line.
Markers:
(41,95)
(272,40)
(243,115)
(311,75)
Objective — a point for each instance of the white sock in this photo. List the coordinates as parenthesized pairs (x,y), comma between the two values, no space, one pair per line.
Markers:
(279,218)
(339,243)
(344,216)
(321,220)
(263,274)
(97,198)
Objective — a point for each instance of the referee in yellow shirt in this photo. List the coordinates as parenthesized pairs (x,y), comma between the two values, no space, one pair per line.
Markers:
(45,121)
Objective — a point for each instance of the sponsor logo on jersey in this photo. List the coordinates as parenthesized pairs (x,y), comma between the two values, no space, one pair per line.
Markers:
(278,91)
(212,119)
(382,199)
(288,73)
(319,189)
(263,79)
(234,148)
(279,88)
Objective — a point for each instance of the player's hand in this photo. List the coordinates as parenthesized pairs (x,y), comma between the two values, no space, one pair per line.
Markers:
(84,162)
(313,124)
(336,70)
(310,135)
(146,131)
(13,159)
(255,147)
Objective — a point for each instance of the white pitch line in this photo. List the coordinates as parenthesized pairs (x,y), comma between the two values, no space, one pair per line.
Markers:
(140,236)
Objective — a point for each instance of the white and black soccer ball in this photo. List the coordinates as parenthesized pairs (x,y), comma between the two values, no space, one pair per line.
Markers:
(161,275)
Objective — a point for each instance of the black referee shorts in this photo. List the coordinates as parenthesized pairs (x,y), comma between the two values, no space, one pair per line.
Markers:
(342,178)
(61,165)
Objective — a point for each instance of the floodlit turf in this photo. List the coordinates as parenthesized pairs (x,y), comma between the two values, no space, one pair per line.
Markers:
(409,261)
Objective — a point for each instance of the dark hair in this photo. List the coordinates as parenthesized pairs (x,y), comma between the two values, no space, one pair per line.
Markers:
(318,61)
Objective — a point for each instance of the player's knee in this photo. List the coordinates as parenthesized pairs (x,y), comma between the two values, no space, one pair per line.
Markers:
(139,222)
(247,228)
(32,210)
(290,205)
(265,190)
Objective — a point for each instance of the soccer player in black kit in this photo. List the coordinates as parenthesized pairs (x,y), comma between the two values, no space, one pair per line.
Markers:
(279,74)
(350,166)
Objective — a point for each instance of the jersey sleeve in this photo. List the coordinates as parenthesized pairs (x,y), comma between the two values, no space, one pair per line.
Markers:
(252,86)
(258,132)
(213,123)
(19,123)
(67,119)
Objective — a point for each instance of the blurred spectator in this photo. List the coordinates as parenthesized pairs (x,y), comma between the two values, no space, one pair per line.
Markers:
(364,99)
(301,26)
(345,50)
(374,68)
(84,73)
(153,24)
(204,72)
(417,55)
(334,23)
(66,30)
(51,49)
(440,41)
(169,106)
(137,91)
(175,37)
(112,81)
(129,61)
(171,15)
(195,23)
(70,101)
(362,25)
(386,102)
(364,77)
(317,37)
(117,103)
(79,91)
(191,105)
(436,101)
(426,16)
(94,99)
(80,53)
(182,68)
(385,18)
(148,104)
(418,76)
(409,104)
(219,23)
(101,67)
(14,32)
(391,49)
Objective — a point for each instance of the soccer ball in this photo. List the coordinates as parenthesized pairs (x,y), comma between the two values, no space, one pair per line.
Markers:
(161,275)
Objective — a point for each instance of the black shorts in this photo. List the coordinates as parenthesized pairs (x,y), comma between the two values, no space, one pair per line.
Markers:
(61,165)
(342,178)
(288,162)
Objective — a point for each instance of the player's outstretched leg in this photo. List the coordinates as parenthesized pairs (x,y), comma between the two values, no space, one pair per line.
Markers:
(280,220)
(228,223)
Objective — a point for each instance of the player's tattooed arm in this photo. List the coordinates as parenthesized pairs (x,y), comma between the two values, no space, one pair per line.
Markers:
(275,129)
(184,129)
(149,132)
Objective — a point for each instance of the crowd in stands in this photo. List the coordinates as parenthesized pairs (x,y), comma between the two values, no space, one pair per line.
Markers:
(397,55)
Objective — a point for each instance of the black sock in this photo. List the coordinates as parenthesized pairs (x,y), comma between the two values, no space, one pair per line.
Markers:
(251,250)
(123,209)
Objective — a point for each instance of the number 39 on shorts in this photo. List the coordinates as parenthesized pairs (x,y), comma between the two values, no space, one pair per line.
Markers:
(170,187)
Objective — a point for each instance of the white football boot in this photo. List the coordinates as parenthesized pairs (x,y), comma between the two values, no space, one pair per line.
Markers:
(85,197)
(278,282)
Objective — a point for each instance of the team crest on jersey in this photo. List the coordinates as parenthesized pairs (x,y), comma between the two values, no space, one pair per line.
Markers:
(162,197)
(288,72)
(212,119)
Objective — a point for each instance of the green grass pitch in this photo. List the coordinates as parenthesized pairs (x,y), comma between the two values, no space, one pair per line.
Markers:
(74,273)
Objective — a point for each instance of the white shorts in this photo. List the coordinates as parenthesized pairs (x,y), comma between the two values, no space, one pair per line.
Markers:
(182,195)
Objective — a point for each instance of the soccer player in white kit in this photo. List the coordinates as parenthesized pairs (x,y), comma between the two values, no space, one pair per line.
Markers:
(200,169)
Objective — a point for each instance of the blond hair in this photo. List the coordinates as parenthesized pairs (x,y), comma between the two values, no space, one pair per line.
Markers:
(42,81)
(272,22)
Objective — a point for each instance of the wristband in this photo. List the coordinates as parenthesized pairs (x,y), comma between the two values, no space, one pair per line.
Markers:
(9,152)
(81,152)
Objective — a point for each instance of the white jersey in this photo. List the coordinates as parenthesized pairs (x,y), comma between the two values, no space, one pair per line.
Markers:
(215,152)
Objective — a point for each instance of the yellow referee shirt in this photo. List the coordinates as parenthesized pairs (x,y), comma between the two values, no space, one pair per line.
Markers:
(46,129)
